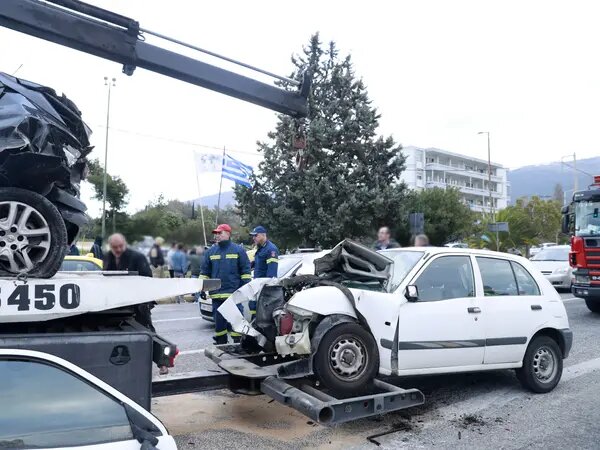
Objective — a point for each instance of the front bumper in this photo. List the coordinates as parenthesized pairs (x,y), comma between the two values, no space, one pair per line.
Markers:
(560,280)
(567,338)
(583,291)
(206,309)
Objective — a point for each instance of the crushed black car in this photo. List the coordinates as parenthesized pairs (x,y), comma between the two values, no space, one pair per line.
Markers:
(43,148)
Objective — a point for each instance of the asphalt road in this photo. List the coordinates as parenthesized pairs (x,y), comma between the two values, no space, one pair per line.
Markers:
(484,410)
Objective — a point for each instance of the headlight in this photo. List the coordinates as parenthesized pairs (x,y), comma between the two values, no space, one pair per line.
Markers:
(561,270)
(583,279)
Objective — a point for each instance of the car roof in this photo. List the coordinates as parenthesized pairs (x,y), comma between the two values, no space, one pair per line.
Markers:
(455,251)
(84,258)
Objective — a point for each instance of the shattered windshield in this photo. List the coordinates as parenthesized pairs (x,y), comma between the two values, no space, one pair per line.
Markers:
(587,218)
(404,261)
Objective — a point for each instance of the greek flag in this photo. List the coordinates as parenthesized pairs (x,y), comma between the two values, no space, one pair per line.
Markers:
(236,171)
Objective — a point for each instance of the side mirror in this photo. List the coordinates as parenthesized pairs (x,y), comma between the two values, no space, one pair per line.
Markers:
(411,293)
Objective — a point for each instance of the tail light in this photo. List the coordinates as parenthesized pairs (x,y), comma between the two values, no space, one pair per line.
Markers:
(286,323)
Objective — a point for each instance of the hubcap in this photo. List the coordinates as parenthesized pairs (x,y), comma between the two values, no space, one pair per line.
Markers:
(347,358)
(544,364)
(24,237)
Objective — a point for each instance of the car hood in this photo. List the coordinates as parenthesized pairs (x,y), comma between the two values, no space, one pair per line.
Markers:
(350,260)
(549,266)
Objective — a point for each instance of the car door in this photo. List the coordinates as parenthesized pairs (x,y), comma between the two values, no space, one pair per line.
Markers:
(511,304)
(46,406)
(442,328)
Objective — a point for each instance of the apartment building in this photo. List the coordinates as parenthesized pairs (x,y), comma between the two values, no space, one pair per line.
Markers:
(432,167)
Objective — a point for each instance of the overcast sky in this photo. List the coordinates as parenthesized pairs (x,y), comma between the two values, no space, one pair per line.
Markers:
(438,71)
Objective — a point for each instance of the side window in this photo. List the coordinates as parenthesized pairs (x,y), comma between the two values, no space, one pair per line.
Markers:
(497,276)
(45,406)
(445,278)
(525,282)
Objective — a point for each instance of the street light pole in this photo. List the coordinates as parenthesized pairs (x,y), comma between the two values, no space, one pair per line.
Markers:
(110,84)
(489,173)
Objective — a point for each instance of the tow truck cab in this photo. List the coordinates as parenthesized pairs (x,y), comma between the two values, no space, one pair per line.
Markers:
(581,219)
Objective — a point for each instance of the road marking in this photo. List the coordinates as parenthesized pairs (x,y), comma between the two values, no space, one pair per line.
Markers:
(191,352)
(571,299)
(174,320)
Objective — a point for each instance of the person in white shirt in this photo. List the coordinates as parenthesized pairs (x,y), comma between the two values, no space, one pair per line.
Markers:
(170,254)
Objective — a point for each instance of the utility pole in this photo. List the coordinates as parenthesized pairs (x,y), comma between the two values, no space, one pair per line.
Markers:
(489,174)
(110,84)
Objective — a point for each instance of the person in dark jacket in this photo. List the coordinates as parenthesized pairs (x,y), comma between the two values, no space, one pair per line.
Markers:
(120,257)
(97,248)
(73,250)
(195,262)
(266,259)
(229,263)
(384,240)
(157,259)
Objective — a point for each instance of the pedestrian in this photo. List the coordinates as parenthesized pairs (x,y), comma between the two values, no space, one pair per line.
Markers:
(121,257)
(97,248)
(157,260)
(195,262)
(421,240)
(180,264)
(266,259)
(73,250)
(384,240)
(229,263)
(170,254)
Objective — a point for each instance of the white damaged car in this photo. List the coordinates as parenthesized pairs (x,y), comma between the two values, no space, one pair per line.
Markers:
(409,311)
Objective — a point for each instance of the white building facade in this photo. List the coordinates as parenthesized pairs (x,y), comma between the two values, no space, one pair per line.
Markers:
(427,168)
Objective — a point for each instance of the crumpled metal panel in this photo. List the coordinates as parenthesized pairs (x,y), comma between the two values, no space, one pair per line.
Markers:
(43,140)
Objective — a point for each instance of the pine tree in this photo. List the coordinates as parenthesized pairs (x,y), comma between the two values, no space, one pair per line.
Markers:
(349,184)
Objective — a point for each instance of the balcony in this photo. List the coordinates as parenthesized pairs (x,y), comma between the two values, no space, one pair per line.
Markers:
(462,170)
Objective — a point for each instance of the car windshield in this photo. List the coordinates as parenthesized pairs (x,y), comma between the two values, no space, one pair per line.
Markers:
(286,263)
(552,254)
(404,261)
(587,218)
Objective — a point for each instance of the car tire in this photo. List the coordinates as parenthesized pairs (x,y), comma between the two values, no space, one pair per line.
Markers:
(33,235)
(347,359)
(542,365)
(593,305)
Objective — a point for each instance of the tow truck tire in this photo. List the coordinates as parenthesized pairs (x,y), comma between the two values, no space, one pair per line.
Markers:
(542,365)
(347,359)
(593,305)
(32,233)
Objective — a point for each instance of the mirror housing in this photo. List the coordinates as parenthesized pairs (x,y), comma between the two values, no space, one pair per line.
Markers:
(565,224)
(411,293)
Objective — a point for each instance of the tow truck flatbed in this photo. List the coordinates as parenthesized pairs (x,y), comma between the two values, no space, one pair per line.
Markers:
(256,373)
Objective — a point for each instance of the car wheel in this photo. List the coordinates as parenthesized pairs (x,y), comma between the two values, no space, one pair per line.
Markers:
(593,305)
(347,359)
(33,236)
(542,365)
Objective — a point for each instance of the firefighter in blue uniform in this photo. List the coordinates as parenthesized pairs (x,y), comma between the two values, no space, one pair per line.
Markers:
(229,263)
(266,259)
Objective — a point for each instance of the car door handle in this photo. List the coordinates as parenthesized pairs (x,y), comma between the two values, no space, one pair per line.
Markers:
(536,307)
(473,310)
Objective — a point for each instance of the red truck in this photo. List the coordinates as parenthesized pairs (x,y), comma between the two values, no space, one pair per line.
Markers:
(581,219)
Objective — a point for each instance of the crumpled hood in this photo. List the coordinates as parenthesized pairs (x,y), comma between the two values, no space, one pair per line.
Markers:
(43,140)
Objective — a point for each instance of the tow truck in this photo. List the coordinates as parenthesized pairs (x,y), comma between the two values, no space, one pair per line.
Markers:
(581,219)
(101,335)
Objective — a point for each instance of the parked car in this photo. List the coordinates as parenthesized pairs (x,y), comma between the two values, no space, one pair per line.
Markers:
(535,250)
(289,265)
(416,311)
(51,403)
(553,262)
(73,263)
(457,245)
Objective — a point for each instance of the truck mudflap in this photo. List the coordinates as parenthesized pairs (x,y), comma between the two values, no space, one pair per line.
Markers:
(255,373)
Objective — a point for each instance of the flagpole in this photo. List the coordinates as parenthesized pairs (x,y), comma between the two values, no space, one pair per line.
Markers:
(200,200)
(220,186)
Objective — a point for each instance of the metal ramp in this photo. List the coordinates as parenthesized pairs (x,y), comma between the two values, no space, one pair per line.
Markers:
(257,373)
